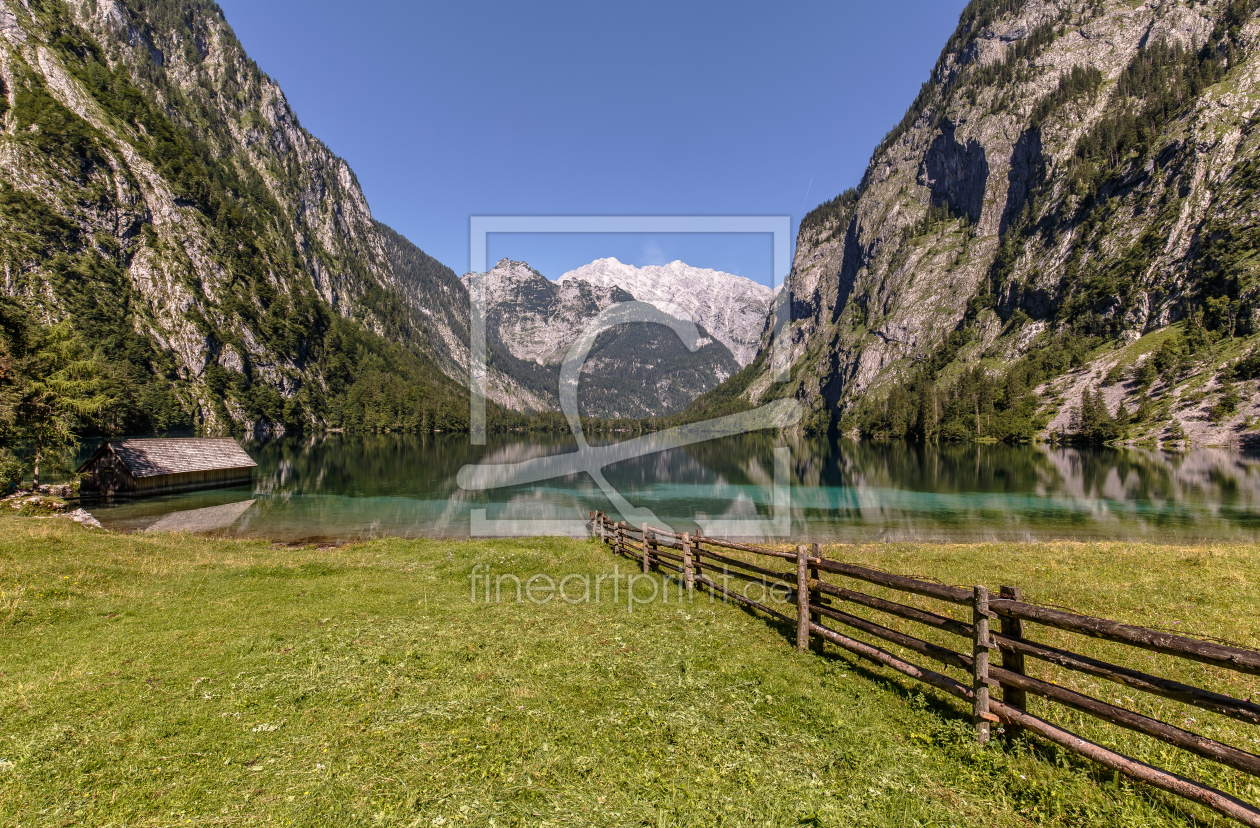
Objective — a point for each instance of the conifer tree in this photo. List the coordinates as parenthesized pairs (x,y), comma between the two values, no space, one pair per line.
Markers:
(58,386)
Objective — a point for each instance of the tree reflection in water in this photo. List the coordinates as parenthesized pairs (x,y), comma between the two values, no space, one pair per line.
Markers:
(343,487)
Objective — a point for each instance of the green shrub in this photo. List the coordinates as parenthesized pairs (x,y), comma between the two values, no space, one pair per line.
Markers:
(1247,368)
(1228,403)
(1171,357)
(1223,314)
(12,470)
(1143,412)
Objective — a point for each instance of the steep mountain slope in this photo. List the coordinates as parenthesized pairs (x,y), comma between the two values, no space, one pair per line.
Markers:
(1072,179)
(439,302)
(730,307)
(435,295)
(635,370)
(157,191)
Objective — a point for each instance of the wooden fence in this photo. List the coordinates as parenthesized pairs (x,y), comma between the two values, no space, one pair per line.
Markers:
(698,559)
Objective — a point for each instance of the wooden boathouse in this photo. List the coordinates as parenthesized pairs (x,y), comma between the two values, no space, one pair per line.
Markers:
(135,468)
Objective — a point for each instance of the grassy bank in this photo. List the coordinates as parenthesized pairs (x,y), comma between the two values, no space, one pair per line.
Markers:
(162,680)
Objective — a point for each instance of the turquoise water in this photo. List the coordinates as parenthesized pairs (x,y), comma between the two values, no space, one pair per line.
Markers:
(337,488)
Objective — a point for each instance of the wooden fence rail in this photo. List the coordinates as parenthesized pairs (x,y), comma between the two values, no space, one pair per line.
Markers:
(699,563)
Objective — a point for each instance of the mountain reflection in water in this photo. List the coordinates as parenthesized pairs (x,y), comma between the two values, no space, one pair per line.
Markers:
(342,488)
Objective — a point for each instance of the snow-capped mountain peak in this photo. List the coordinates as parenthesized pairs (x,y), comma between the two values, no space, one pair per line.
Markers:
(641,370)
(732,308)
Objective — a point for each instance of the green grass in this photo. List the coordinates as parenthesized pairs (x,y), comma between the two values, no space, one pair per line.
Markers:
(170,680)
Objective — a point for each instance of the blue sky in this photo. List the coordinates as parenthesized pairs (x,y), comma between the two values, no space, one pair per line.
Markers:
(447,110)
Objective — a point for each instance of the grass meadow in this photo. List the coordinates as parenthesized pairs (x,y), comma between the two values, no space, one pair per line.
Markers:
(163,680)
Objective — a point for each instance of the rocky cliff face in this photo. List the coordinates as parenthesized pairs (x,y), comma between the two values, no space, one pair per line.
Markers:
(636,370)
(438,300)
(536,319)
(1072,171)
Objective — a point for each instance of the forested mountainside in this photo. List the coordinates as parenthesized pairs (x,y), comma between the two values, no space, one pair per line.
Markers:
(440,304)
(1059,238)
(178,248)
(633,371)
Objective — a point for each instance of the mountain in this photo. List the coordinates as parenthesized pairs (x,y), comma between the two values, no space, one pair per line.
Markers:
(438,300)
(537,319)
(635,370)
(435,295)
(218,262)
(730,307)
(1057,240)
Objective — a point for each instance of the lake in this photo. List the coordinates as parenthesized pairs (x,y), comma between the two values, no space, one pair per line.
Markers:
(336,488)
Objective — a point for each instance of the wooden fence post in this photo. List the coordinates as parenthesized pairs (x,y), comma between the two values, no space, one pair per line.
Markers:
(689,574)
(980,666)
(815,597)
(1012,661)
(621,538)
(644,544)
(696,562)
(802,598)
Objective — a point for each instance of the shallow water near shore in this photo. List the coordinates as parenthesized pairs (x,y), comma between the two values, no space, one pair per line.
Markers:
(339,488)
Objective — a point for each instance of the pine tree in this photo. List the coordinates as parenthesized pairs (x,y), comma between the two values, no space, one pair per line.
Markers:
(928,415)
(59,387)
(1092,422)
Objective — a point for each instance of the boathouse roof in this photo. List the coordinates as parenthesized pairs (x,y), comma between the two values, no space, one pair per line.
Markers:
(157,457)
